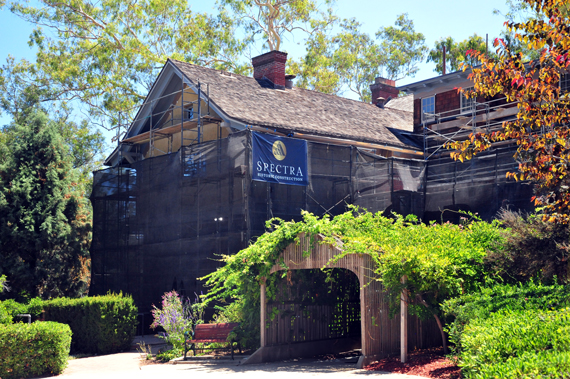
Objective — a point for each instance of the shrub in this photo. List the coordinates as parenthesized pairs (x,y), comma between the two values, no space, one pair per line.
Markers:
(100,324)
(34,307)
(176,317)
(517,344)
(530,248)
(168,355)
(480,305)
(5,315)
(28,350)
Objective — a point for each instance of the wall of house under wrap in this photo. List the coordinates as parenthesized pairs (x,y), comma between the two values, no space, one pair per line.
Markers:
(162,223)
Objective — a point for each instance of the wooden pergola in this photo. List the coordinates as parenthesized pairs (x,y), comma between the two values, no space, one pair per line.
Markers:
(381,335)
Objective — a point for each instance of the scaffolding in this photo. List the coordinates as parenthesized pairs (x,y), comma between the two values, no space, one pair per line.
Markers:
(181,195)
(180,123)
(457,124)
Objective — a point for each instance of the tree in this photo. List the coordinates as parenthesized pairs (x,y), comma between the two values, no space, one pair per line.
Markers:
(518,12)
(540,129)
(273,18)
(106,54)
(456,53)
(352,59)
(45,226)
(85,145)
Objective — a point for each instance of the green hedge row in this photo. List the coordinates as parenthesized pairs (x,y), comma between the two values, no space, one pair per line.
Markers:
(100,324)
(35,349)
(517,344)
(505,297)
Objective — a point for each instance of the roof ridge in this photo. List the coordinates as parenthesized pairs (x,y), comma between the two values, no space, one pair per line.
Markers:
(298,88)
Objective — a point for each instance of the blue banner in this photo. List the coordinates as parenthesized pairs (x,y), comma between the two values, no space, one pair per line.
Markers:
(279,160)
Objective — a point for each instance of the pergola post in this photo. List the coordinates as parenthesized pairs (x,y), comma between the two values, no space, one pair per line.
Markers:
(404,323)
(262,314)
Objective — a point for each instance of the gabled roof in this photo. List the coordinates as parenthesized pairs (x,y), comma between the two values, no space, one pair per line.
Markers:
(255,103)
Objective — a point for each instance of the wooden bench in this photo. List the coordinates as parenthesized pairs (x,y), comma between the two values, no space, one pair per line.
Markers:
(211,333)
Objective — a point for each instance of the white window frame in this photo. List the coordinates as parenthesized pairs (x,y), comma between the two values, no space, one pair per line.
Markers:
(428,102)
(466,104)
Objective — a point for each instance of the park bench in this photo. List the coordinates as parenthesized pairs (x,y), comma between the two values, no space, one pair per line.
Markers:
(211,333)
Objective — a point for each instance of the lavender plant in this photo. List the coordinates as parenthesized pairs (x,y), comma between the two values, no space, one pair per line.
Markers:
(177,316)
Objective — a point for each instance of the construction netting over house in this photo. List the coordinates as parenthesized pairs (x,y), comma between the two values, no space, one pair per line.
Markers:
(190,180)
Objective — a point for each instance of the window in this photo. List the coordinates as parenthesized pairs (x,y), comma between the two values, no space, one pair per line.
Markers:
(428,108)
(194,164)
(467,104)
(564,83)
(189,113)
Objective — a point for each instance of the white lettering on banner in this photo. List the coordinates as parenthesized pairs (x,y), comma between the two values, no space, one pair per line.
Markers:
(277,168)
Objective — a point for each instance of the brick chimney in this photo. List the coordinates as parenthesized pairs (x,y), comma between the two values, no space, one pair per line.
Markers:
(270,65)
(385,88)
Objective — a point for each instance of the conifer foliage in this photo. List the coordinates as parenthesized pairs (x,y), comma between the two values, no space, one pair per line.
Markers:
(45,226)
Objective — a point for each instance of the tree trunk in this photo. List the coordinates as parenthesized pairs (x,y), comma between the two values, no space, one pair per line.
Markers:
(437,320)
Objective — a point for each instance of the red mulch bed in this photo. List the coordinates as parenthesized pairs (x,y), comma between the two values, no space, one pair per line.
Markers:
(429,363)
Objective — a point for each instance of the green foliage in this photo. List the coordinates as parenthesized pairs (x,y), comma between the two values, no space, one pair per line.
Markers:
(168,355)
(482,304)
(31,350)
(100,324)
(3,285)
(5,314)
(520,12)
(456,53)
(11,308)
(272,19)
(352,59)
(517,344)
(440,261)
(531,248)
(107,53)
(177,316)
(45,226)
(14,308)
(83,144)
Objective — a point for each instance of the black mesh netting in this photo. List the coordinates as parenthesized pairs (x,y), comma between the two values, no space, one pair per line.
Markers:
(162,223)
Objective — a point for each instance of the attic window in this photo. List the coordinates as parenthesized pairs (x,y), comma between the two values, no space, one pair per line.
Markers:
(189,113)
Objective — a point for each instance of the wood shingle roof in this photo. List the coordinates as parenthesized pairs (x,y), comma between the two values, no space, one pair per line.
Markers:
(257,103)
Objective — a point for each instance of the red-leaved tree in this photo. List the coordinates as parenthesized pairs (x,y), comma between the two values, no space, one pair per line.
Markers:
(540,129)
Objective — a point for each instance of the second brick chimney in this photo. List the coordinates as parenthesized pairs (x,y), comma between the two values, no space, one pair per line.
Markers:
(385,88)
(271,66)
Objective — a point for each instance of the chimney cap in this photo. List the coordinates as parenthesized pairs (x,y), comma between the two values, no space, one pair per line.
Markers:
(380,101)
(289,81)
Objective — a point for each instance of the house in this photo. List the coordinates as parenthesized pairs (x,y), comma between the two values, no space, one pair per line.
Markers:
(211,156)
(187,183)
(443,114)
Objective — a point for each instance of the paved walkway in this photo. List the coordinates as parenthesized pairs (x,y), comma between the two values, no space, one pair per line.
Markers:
(130,365)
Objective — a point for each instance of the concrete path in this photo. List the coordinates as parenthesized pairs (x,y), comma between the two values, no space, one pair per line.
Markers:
(130,365)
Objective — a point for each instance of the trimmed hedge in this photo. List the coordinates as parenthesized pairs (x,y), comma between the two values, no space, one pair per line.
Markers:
(100,324)
(35,349)
(13,308)
(517,344)
(502,297)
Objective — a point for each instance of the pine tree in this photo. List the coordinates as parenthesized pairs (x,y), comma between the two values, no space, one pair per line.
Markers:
(45,223)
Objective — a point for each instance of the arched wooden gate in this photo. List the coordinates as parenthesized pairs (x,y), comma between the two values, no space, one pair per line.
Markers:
(380,334)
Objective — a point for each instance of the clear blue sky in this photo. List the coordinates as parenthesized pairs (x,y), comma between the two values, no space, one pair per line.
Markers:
(435,19)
